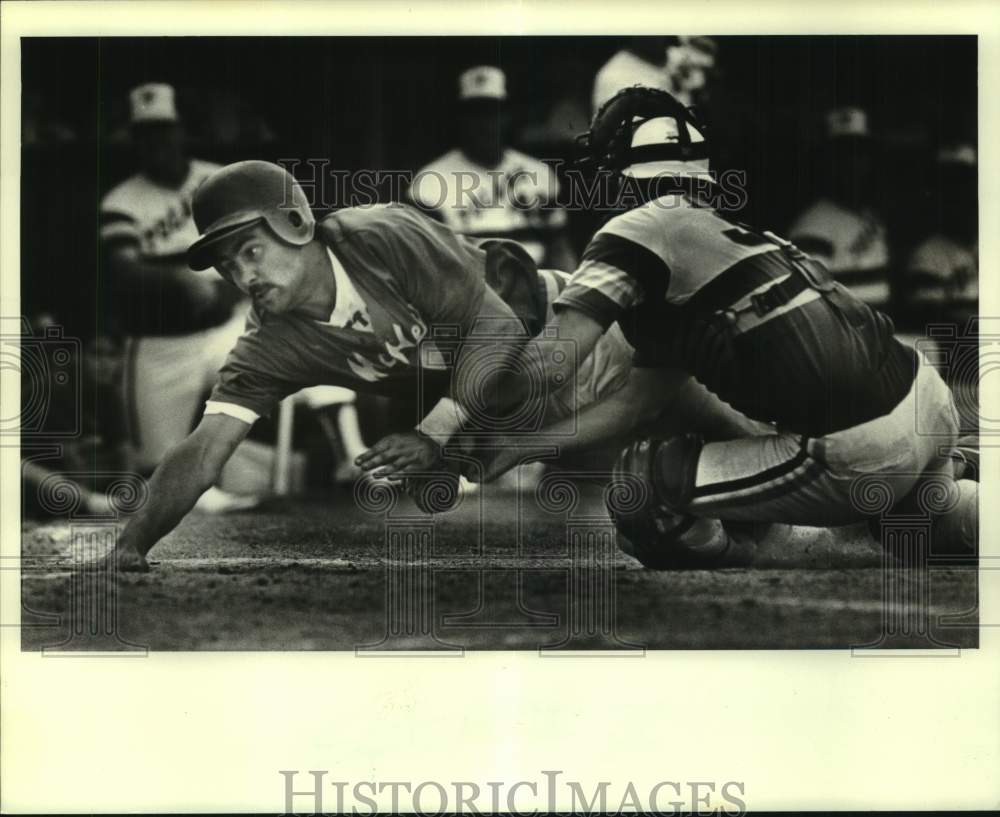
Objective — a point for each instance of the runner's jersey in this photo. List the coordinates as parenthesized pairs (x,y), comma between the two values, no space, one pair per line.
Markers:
(668,270)
(408,276)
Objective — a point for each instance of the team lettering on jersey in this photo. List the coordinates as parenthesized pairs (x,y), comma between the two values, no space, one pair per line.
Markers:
(394,355)
(157,218)
(177,218)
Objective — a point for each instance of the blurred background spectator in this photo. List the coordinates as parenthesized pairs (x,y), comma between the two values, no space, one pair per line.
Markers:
(684,66)
(941,277)
(560,112)
(842,228)
(177,325)
(40,124)
(485,188)
(642,61)
(691,69)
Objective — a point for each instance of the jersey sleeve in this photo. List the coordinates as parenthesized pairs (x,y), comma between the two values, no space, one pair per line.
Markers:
(439,272)
(614,275)
(253,378)
(513,275)
(116,225)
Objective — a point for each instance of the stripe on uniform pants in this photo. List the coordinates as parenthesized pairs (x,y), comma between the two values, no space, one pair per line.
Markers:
(775,480)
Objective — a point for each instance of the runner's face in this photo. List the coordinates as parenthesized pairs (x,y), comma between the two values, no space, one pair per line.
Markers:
(266,269)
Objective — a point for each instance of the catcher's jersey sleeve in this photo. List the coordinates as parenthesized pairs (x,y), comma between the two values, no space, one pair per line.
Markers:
(607,281)
(663,252)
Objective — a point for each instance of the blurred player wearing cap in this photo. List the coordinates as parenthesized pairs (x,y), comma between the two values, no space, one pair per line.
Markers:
(354,301)
(180,323)
(682,66)
(941,278)
(766,329)
(842,229)
(483,187)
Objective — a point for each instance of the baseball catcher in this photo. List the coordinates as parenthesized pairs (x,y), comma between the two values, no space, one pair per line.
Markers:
(765,328)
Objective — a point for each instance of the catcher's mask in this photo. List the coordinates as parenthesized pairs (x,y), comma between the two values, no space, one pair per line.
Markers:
(645,133)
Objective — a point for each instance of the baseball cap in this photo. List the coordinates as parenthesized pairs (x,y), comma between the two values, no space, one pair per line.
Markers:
(847,121)
(957,153)
(152,102)
(482,82)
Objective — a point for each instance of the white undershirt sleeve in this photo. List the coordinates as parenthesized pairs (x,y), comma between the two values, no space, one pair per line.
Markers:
(232,410)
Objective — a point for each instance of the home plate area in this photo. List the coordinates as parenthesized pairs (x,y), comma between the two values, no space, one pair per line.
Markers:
(498,572)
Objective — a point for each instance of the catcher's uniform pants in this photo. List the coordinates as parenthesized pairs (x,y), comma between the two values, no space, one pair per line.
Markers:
(836,479)
(165,384)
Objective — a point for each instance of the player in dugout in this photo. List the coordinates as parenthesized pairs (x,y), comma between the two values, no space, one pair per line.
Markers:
(485,188)
(349,301)
(178,323)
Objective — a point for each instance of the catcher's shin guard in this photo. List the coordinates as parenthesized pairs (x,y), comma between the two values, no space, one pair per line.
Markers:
(652,484)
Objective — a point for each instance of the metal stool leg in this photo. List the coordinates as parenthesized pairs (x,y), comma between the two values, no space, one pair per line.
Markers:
(281,473)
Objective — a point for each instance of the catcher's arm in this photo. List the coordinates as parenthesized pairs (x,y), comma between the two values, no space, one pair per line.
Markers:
(613,417)
(519,367)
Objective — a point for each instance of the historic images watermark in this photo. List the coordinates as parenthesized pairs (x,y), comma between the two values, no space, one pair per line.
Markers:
(50,367)
(317,791)
(330,188)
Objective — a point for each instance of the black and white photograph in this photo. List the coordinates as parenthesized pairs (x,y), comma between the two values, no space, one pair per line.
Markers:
(524,343)
(612,345)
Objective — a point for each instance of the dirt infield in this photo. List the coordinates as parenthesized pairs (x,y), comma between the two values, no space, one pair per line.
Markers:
(493,574)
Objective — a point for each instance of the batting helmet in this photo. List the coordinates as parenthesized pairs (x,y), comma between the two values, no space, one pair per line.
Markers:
(645,132)
(243,194)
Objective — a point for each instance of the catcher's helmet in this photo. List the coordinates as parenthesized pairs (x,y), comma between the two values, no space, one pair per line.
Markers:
(243,194)
(645,132)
